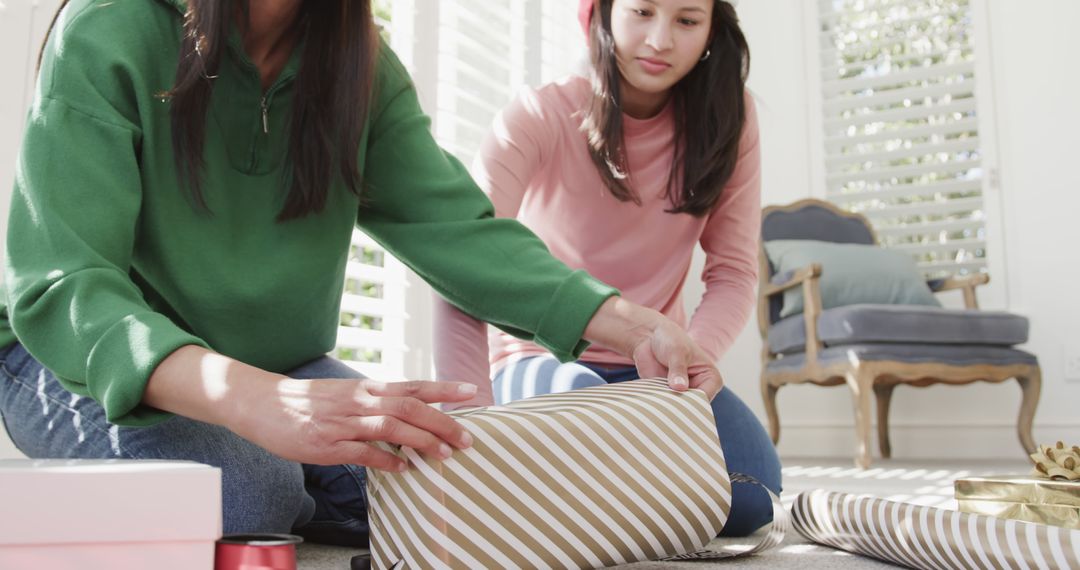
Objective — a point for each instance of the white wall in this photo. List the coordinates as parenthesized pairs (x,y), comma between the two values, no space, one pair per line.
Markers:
(1036,83)
(1034,113)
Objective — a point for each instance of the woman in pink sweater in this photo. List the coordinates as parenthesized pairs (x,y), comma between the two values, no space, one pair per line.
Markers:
(622,174)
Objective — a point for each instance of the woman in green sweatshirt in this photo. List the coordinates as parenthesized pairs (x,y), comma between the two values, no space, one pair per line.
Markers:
(188,184)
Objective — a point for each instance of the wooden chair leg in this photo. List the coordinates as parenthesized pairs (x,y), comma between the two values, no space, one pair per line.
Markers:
(861,387)
(1030,387)
(768,394)
(883,392)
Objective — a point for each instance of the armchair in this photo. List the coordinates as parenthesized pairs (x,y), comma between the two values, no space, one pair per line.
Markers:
(872,348)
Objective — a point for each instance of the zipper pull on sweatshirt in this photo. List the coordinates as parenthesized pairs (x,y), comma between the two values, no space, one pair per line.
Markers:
(265,119)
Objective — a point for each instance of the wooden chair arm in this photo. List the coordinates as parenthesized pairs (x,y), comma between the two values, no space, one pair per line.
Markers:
(967,283)
(812,271)
(809,279)
(811,287)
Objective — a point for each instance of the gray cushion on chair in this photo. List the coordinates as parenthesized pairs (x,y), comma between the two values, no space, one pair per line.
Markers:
(817,223)
(810,222)
(956,355)
(851,274)
(904,324)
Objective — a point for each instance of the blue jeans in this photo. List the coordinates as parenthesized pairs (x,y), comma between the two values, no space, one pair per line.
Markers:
(260,491)
(747,447)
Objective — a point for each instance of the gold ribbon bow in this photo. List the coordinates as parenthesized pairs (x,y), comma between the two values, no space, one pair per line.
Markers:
(1057,462)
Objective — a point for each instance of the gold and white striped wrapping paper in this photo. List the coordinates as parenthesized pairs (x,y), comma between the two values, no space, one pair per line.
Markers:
(585,479)
(926,537)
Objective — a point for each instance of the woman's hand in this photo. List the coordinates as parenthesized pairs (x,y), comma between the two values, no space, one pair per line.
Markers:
(659,347)
(329,422)
(310,421)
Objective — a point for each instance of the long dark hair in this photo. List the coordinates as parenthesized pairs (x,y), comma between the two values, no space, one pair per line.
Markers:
(709,106)
(330,107)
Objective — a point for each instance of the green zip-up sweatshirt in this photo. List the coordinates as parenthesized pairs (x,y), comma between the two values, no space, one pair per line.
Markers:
(109,268)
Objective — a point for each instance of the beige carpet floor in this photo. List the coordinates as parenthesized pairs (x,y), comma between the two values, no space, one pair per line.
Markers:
(926,482)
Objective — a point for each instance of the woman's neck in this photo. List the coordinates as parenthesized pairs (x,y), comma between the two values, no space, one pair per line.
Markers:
(270,35)
(639,104)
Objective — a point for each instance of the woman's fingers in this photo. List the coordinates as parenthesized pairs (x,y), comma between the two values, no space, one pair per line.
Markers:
(706,378)
(677,372)
(423,390)
(414,412)
(393,430)
(647,363)
(669,352)
(327,421)
(367,455)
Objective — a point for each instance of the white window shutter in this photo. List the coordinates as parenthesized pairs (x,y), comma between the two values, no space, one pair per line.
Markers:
(371,335)
(485,51)
(901,130)
(481,55)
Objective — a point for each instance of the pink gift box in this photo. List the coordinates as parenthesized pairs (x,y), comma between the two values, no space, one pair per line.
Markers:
(115,514)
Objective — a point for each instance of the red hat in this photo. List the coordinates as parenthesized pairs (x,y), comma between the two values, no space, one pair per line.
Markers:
(585,15)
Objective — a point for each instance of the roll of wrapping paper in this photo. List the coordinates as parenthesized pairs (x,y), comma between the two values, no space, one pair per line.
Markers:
(1025,498)
(594,477)
(926,537)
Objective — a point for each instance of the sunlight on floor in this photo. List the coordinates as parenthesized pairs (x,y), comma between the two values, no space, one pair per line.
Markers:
(922,482)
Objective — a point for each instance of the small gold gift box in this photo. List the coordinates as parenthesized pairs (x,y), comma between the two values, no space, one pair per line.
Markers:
(1023,498)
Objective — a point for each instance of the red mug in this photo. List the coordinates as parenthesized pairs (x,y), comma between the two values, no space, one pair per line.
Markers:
(256,552)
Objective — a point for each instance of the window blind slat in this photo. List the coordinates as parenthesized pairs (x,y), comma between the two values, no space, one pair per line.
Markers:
(370,306)
(832,18)
(354,270)
(965,145)
(928,228)
(851,68)
(483,12)
(941,208)
(835,143)
(948,246)
(838,180)
(453,74)
(455,99)
(488,50)
(352,337)
(908,191)
(862,101)
(867,49)
(964,106)
(951,267)
(921,73)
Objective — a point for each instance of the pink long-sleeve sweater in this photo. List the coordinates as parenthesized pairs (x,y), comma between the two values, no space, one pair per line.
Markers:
(535,166)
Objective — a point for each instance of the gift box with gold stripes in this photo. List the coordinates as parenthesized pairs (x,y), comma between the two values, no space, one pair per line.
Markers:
(1023,497)
(595,477)
(1050,494)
